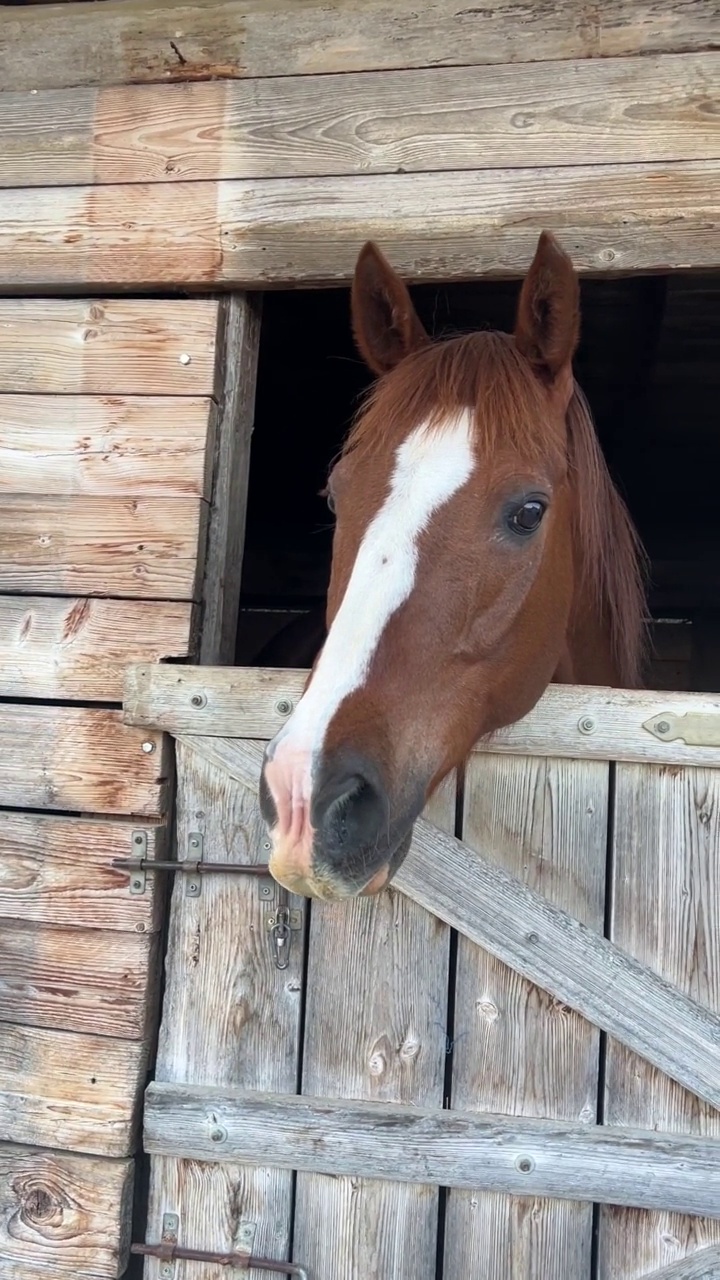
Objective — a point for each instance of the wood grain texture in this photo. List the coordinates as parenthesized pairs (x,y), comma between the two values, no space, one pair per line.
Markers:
(67,1215)
(703,1264)
(79,648)
(397,1142)
(88,761)
(540,941)
(67,1091)
(665,911)
(126,41)
(229,1016)
(137,446)
(58,871)
(649,109)
(375,1028)
(136,547)
(517,1050)
(238,347)
(244,703)
(86,980)
(257,233)
(105,346)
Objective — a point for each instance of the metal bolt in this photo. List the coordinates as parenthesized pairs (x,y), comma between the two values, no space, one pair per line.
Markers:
(185,358)
(194,842)
(137,883)
(139,839)
(148,748)
(586,724)
(524,1164)
(198,700)
(167,1271)
(662,726)
(266,845)
(533,937)
(284,707)
(218,1134)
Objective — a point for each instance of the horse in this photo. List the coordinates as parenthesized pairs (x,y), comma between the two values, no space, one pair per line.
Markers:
(480,552)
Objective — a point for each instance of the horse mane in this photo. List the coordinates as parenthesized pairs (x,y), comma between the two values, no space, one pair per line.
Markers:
(485,372)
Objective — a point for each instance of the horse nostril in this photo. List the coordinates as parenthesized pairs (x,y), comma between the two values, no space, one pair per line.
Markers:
(351,811)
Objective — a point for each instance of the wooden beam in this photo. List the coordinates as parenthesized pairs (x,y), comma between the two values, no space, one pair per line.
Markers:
(518,1156)
(71,1092)
(106,346)
(540,941)
(57,870)
(238,347)
(79,648)
(307,231)
(67,1215)
(255,702)
(703,1264)
(618,109)
(139,446)
(125,41)
(120,546)
(85,761)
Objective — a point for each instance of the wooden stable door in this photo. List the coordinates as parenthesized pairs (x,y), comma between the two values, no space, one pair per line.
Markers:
(492,1025)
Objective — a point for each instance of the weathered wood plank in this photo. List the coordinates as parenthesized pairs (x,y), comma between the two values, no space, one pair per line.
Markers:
(79,648)
(229,1015)
(137,547)
(238,345)
(140,446)
(58,871)
(518,1156)
(666,912)
(105,346)
(69,1215)
(375,1028)
(518,1051)
(85,980)
(243,703)
(434,226)
(541,942)
(703,1264)
(88,761)
(73,1092)
(152,40)
(651,109)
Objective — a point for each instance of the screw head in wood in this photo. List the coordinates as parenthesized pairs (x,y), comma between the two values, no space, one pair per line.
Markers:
(586,724)
(185,358)
(218,1134)
(524,1164)
(148,748)
(284,707)
(198,700)
(662,726)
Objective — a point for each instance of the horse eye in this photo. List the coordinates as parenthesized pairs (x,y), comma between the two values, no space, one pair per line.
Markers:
(527,517)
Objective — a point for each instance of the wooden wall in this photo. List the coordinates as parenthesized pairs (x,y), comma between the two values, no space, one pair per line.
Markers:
(107,418)
(255,143)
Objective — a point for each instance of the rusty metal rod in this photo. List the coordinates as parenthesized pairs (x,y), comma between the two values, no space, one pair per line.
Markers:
(193,868)
(240,1261)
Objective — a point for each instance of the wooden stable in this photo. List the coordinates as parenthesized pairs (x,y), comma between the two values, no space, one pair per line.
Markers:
(509,1071)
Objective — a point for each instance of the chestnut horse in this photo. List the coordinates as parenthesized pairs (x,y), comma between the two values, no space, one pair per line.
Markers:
(480,552)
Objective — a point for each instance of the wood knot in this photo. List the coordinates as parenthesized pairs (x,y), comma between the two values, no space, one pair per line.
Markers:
(39,1205)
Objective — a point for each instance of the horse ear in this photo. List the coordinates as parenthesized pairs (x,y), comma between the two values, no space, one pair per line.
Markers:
(385,323)
(547,327)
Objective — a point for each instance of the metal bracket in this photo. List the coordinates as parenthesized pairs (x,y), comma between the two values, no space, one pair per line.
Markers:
(695,728)
(138,876)
(240,1259)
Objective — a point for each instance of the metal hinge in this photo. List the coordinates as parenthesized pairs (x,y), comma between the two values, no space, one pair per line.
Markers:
(281,921)
(695,728)
(242,1259)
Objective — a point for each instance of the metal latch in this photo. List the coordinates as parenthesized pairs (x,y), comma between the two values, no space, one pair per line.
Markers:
(169,1252)
(695,728)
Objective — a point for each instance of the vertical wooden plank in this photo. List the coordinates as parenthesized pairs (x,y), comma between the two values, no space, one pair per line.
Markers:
(238,346)
(230,1017)
(666,912)
(517,1050)
(376,1029)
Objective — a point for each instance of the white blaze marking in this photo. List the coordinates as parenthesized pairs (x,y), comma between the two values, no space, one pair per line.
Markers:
(430,466)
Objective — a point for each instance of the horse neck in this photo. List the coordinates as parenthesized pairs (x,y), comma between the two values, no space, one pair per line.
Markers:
(588,656)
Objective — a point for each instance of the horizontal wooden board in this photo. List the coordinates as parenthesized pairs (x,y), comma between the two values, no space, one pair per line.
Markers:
(580,968)
(516,1155)
(656,108)
(71,1092)
(70,758)
(79,648)
(125,41)
(459,225)
(58,870)
(67,1215)
(85,980)
(703,1264)
(136,547)
(254,702)
(106,346)
(139,446)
